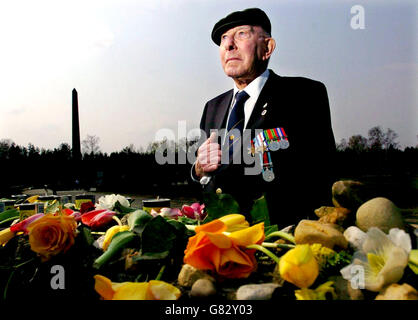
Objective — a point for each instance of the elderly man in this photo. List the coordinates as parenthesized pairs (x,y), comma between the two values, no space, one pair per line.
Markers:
(289,123)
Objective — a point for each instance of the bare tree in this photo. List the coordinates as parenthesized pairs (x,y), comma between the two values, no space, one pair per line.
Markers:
(91,145)
(389,139)
(342,146)
(376,138)
(357,143)
(129,149)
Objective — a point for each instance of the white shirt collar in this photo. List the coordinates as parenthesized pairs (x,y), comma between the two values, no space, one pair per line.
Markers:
(253,90)
(255,86)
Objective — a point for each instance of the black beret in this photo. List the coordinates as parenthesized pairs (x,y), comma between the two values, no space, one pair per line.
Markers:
(251,16)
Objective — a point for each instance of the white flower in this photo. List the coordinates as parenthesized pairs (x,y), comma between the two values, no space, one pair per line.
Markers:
(108,201)
(355,237)
(382,257)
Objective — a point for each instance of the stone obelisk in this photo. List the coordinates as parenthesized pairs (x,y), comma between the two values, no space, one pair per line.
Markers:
(76,128)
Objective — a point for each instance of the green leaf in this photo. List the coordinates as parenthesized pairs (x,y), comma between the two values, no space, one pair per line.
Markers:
(185,220)
(270,229)
(158,236)
(219,205)
(259,212)
(151,256)
(9,215)
(121,209)
(119,241)
(137,221)
(413,260)
(87,236)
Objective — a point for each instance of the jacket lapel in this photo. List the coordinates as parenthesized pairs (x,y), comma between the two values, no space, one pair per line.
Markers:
(262,108)
(222,110)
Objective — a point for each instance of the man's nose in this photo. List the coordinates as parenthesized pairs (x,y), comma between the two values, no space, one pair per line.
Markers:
(229,44)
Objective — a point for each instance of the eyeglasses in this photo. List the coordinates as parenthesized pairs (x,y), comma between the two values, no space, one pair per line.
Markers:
(239,35)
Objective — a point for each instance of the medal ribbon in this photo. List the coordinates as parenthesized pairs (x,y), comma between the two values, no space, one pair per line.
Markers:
(283,134)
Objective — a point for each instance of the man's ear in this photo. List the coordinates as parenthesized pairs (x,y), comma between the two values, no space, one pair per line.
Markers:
(270,45)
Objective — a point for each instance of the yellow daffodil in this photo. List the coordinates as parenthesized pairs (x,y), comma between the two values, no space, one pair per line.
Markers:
(299,266)
(318,293)
(110,233)
(152,290)
(382,258)
(234,222)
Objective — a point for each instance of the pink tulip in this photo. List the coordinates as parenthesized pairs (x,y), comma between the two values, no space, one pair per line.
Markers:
(194,211)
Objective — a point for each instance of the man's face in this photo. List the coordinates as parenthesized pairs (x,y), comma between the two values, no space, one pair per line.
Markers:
(242,50)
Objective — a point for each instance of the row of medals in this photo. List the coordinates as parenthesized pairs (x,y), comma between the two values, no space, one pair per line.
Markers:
(267,146)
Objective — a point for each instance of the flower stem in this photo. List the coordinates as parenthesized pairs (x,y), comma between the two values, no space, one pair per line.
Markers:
(117,220)
(277,245)
(160,274)
(281,234)
(190,227)
(6,288)
(23,263)
(265,251)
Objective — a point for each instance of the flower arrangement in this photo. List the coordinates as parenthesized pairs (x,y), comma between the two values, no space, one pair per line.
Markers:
(115,251)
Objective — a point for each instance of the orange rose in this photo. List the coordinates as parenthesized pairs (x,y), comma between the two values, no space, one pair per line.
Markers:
(211,249)
(51,235)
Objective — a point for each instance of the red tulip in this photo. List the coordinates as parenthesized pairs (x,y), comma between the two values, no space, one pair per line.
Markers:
(86,207)
(97,218)
(22,225)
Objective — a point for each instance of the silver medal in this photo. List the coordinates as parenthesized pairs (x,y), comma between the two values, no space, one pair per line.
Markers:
(284,143)
(268,175)
(274,145)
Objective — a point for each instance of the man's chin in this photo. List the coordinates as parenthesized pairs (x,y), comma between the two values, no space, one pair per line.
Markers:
(232,73)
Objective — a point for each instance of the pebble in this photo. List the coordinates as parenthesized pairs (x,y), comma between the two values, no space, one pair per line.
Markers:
(262,291)
(189,275)
(203,288)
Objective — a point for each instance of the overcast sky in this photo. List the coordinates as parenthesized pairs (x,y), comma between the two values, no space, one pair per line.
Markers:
(140,66)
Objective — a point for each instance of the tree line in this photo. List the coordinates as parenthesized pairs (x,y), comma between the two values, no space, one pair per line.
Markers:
(130,170)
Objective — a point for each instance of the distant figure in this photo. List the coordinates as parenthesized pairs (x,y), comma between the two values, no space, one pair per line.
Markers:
(296,145)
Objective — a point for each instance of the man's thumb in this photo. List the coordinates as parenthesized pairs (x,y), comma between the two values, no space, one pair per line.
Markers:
(213,137)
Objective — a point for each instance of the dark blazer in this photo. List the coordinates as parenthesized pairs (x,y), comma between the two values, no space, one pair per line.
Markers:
(303,175)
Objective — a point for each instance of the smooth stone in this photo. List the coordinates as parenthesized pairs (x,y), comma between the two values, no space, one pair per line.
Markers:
(203,288)
(381,213)
(188,275)
(327,234)
(262,291)
(398,292)
(345,291)
(336,215)
(348,194)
